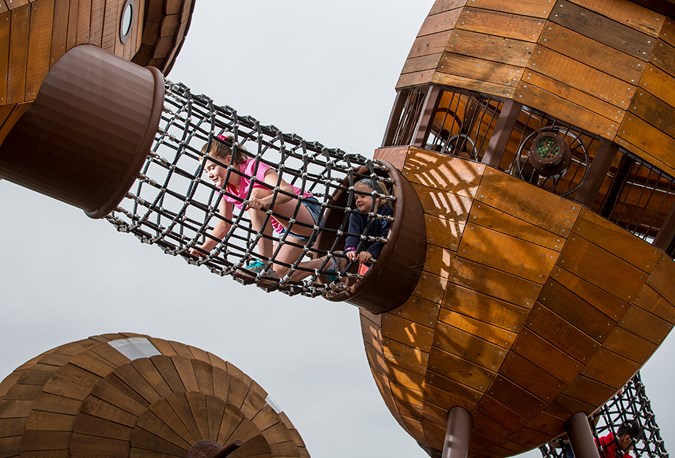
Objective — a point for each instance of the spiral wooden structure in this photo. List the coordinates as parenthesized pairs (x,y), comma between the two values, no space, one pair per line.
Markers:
(133,395)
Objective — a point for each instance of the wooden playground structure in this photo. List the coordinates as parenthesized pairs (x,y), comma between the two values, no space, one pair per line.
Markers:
(528,272)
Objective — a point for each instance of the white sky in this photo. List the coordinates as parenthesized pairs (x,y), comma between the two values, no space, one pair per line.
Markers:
(324,70)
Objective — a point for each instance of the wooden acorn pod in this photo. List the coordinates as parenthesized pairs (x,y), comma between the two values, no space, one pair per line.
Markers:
(134,395)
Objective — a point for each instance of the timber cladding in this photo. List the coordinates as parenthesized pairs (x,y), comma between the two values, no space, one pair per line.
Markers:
(530,309)
(130,394)
(35,34)
(604,66)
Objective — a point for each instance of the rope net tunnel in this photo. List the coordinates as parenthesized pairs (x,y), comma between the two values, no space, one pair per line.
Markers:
(178,204)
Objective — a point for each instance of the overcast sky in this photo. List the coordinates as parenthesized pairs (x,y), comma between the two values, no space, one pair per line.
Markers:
(323,70)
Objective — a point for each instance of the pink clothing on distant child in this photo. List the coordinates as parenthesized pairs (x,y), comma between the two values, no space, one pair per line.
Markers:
(249,168)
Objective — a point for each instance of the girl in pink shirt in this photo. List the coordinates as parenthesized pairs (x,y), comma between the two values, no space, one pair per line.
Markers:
(249,184)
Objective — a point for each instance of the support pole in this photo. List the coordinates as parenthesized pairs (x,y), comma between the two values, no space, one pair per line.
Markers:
(581,436)
(457,434)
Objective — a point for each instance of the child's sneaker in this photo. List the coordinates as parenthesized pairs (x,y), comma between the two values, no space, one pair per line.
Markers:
(255,266)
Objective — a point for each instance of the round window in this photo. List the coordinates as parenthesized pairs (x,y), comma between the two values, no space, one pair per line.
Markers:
(126,21)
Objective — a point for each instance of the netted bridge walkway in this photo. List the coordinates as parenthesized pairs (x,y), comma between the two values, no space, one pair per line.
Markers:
(173,204)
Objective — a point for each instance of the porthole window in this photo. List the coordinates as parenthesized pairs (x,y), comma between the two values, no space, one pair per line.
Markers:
(126,20)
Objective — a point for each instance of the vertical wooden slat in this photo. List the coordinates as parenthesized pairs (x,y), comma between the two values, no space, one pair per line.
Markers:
(59,30)
(71,35)
(4,53)
(109,26)
(39,46)
(96,26)
(18,54)
(83,21)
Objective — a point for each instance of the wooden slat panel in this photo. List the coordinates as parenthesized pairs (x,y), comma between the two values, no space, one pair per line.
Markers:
(507,253)
(254,402)
(471,84)
(429,44)
(460,370)
(407,332)
(592,263)
(630,345)
(96,27)
(547,423)
(149,372)
(497,220)
(181,406)
(169,373)
(443,204)
(603,29)
(488,426)
(433,170)
(119,398)
(110,26)
(4,63)
(490,47)
(661,278)
(18,54)
(583,77)
(162,430)
(418,310)
(663,57)
(630,14)
(532,8)
(231,419)
(135,381)
(197,402)
(441,22)
(71,34)
(246,431)
(492,282)
(438,401)
(530,377)
(440,6)
(666,167)
(418,64)
(443,232)
(101,428)
(438,387)
(646,325)
(609,305)
(561,333)
(34,441)
(59,31)
(574,96)
(609,368)
(238,390)
(264,419)
(431,287)
(438,260)
(50,421)
(102,409)
(480,329)
(592,53)
(563,109)
(515,397)
(653,302)
(550,358)
(612,238)
(83,18)
(469,346)
(403,377)
(527,202)
(410,358)
(480,70)
(181,349)
(507,417)
(654,112)
(501,24)
(186,372)
(39,46)
(484,308)
(204,375)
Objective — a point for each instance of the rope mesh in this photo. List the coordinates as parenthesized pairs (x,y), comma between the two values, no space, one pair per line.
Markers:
(629,404)
(175,206)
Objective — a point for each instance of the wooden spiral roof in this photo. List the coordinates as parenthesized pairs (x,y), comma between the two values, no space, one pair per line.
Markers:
(88,398)
(604,66)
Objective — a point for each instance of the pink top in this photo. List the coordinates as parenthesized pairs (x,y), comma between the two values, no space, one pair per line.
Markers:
(248,168)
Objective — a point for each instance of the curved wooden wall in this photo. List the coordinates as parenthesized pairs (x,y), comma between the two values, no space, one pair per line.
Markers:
(604,66)
(530,309)
(35,34)
(87,398)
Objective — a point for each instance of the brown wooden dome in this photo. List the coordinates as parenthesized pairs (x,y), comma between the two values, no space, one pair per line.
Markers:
(132,395)
(530,309)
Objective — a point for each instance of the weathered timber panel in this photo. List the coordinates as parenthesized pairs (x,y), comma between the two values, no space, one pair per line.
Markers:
(654,112)
(96,26)
(496,283)
(486,216)
(469,346)
(419,64)
(59,31)
(18,54)
(506,253)
(440,6)
(438,23)
(553,360)
(429,44)
(645,324)
(606,235)
(515,397)
(443,172)
(602,29)
(592,53)
(109,33)
(563,109)
(407,332)
(650,300)
(609,368)
(73,14)
(443,232)
(501,24)
(443,204)
(528,203)
(530,376)
(39,46)
(589,391)
(431,287)
(657,147)
(630,345)
(485,308)
(419,311)
(532,8)
(410,358)
(458,65)
(497,90)
(507,417)
(438,261)
(5,22)
(583,77)
(83,18)
(438,386)
(501,338)
(663,57)
(490,47)
(661,278)
(630,14)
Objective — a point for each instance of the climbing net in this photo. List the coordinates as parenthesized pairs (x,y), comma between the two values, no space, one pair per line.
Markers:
(629,404)
(173,204)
